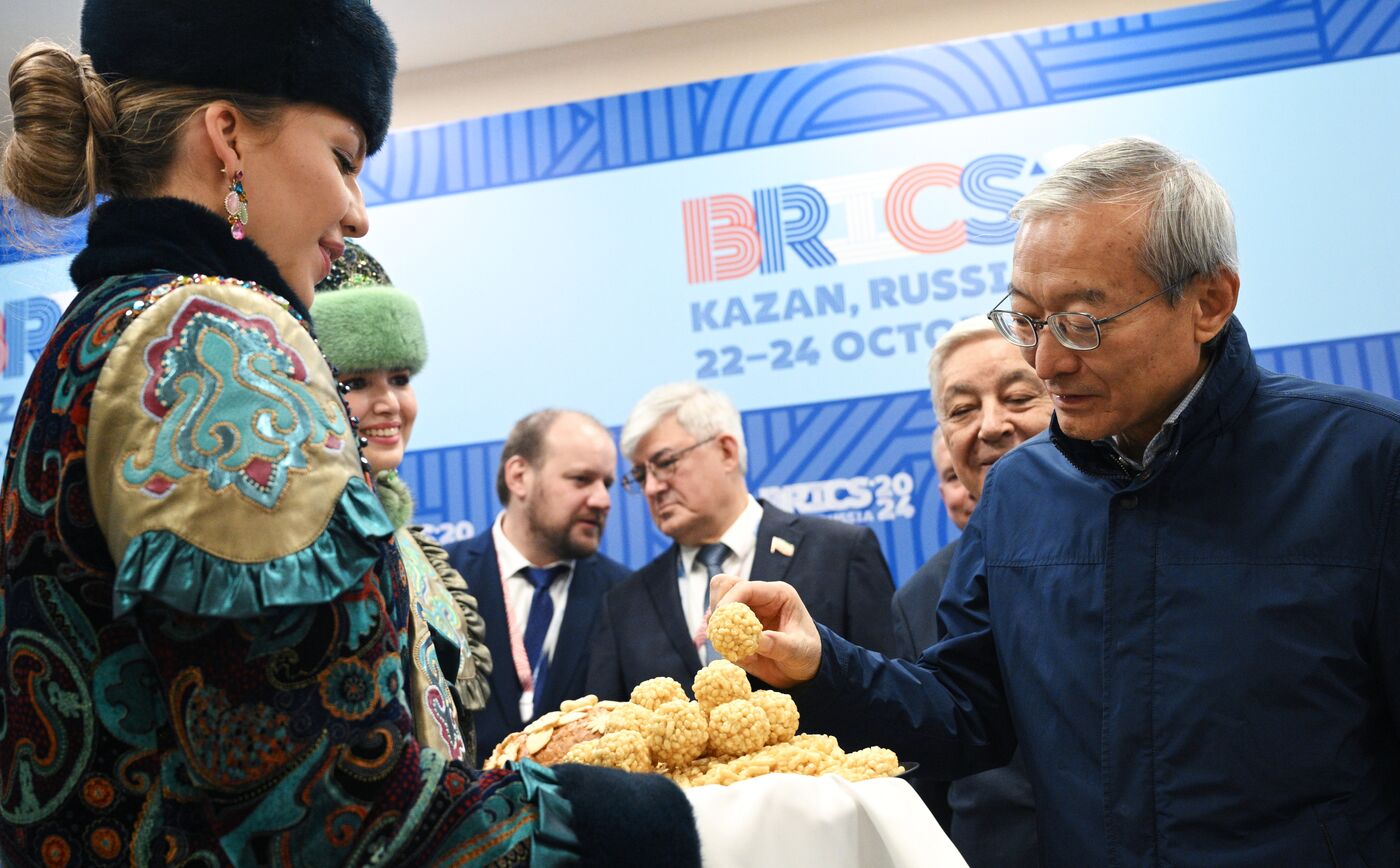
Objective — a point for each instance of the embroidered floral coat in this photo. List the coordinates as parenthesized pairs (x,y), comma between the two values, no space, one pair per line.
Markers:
(201,604)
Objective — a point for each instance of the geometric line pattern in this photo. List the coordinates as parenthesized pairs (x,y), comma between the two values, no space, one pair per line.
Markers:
(913,86)
(919,85)
(861,437)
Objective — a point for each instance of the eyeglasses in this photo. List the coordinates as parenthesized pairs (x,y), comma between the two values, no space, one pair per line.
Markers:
(1076,331)
(661,469)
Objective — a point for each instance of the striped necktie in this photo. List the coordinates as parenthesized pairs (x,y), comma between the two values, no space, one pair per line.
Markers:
(712,556)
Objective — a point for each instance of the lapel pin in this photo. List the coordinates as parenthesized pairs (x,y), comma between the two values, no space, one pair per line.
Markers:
(782,547)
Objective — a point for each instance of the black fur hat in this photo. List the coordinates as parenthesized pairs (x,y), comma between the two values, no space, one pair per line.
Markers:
(336,53)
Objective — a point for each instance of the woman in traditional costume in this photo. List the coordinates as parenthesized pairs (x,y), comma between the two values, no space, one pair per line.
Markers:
(372,334)
(202,608)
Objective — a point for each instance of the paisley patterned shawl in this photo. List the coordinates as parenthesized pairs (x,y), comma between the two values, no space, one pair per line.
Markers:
(474,674)
(200,611)
(436,643)
(448,636)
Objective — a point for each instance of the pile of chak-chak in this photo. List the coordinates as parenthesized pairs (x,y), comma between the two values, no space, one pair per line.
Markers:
(729,733)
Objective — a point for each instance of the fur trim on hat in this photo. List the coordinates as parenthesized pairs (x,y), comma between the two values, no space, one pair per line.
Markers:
(370,328)
(335,53)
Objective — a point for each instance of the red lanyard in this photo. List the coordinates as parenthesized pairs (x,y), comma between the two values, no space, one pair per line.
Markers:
(517,638)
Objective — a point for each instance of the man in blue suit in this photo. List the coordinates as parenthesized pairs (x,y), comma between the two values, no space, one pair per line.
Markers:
(687,446)
(536,573)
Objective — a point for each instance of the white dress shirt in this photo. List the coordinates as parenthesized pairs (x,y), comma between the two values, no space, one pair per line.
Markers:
(520,594)
(742,539)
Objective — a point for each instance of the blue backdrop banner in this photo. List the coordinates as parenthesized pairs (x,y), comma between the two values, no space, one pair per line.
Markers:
(864,460)
(799,238)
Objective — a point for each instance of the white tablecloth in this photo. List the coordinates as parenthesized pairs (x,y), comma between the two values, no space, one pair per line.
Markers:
(779,820)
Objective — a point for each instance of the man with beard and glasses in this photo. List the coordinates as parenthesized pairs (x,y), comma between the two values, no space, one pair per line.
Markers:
(689,460)
(537,573)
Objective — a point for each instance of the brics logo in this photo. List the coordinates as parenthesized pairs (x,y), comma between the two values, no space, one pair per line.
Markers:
(25,326)
(728,236)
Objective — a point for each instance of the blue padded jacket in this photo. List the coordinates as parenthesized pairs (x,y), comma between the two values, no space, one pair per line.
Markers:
(1201,660)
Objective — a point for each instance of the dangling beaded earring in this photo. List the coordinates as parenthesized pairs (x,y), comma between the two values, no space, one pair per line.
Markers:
(236,204)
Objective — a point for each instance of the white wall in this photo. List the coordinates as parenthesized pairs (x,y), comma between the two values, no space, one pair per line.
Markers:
(723,47)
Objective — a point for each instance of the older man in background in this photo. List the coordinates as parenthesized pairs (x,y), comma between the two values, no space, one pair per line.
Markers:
(687,448)
(957,500)
(1182,601)
(988,401)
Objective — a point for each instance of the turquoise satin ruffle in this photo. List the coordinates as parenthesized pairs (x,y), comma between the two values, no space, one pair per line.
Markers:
(555,842)
(164,567)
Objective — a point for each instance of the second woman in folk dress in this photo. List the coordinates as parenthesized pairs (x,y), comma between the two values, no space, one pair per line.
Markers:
(373,334)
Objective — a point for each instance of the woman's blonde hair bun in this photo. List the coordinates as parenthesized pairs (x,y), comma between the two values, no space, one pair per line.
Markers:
(56,162)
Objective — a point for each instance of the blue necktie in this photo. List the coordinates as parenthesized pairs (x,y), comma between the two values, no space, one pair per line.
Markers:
(537,624)
(712,555)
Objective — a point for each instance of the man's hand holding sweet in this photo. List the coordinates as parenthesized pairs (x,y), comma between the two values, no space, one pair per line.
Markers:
(790,649)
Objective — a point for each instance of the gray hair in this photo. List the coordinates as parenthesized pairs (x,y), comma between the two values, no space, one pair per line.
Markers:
(700,411)
(971,329)
(1190,227)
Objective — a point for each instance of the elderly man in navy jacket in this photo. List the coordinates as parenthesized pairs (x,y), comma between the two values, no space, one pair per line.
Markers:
(1184,597)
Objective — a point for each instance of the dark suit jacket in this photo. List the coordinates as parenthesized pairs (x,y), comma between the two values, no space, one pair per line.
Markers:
(990,816)
(593,577)
(915,627)
(838,570)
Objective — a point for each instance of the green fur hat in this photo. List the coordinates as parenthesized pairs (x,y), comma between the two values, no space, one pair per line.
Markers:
(363,322)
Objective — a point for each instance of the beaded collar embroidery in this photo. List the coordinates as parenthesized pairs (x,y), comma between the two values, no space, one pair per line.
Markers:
(164,289)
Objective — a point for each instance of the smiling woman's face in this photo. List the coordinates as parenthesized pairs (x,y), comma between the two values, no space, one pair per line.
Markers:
(304,199)
(387,407)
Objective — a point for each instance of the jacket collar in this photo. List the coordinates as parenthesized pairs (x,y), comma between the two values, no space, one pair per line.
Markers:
(134,236)
(1228,387)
